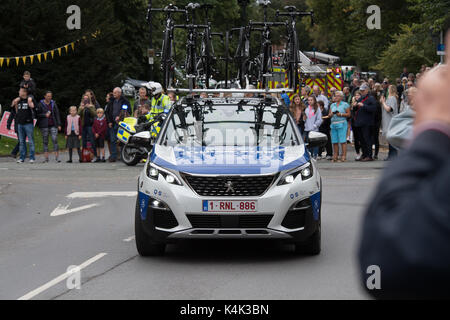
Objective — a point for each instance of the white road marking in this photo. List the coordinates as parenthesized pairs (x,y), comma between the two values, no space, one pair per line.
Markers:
(62,210)
(62,277)
(91,195)
(129,239)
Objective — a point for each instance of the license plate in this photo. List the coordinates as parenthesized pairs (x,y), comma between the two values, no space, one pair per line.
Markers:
(230,206)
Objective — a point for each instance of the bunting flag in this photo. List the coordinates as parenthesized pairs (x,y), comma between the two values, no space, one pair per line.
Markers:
(45,54)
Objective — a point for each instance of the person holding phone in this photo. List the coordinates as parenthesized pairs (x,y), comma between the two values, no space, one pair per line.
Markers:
(339,112)
(87,113)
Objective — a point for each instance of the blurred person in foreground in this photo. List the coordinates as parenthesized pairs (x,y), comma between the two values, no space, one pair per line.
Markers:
(406,232)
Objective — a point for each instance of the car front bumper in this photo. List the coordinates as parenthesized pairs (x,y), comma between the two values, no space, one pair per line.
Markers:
(183,216)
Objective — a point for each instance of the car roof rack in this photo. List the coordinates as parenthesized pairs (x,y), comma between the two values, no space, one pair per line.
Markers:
(276,91)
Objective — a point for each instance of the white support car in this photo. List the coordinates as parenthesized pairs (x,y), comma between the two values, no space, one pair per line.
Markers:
(227,169)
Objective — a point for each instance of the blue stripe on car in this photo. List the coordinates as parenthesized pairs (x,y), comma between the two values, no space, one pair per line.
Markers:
(201,161)
(143,205)
(316,204)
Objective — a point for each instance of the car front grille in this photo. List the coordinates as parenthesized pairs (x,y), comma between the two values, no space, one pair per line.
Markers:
(207,221)
(230,186)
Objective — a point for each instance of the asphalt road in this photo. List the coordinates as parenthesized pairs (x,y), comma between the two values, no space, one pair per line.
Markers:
(47,223)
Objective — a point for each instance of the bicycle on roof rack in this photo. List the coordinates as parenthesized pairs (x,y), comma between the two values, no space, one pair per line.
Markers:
(264,61)
(191,43)
(242,56)
(291,57)
(207,60)
(168,53)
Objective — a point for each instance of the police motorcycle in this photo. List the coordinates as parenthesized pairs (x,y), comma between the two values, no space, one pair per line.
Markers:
(137,136)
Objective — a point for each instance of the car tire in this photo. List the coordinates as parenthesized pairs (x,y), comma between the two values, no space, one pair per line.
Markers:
(311,247)
(145,245)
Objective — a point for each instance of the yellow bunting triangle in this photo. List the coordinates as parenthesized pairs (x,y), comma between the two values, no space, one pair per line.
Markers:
(53,53)
(31,59)
(39,57)
(67,48)
(73,46)
(17,61)
(1,62)
(45,56)
(24,59)
(59,51)
(7,61)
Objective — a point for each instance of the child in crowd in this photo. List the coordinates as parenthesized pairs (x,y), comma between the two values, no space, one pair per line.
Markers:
(73,132)
(28,83)
(99,129)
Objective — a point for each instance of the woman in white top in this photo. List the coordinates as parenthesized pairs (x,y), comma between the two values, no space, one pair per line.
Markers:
(390,109)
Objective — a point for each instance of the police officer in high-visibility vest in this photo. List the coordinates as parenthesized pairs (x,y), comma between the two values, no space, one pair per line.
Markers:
(160,103)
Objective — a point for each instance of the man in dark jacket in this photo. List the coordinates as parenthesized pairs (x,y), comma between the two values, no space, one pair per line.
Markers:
(117,107)
(365,121)
(406,232)
(49,121)
(25,115)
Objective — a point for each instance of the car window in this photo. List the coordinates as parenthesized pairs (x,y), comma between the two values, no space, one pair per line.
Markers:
(231,125)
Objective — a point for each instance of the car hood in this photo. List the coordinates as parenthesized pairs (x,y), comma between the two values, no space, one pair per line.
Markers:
(229,160)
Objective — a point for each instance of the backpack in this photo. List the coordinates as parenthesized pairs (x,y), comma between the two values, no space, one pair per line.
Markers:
(88,154)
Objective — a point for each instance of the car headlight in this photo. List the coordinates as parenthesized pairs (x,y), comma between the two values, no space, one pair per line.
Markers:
(306,172)
(154,171)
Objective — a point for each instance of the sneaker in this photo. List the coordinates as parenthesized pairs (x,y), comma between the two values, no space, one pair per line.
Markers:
(329,158)
(358,157)
(366,160)
(97,160)
(103,160)
(32,161)
(20,161)
(69,161)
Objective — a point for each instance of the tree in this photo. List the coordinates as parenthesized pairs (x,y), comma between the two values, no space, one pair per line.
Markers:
(413,46)
(111,46)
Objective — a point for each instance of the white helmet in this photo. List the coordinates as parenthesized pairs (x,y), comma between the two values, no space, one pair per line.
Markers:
(156,88)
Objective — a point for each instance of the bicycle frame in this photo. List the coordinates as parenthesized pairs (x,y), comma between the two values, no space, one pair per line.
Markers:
(291,57)
(191,43)
(264,59)
(206,62)
(168,48)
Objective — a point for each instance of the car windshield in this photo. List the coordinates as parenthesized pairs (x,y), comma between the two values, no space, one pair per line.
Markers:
(240,124)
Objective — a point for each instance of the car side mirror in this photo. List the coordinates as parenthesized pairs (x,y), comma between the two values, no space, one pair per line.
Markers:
(317,140)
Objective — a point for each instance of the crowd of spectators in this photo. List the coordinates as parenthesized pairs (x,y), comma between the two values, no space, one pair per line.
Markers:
(359,114)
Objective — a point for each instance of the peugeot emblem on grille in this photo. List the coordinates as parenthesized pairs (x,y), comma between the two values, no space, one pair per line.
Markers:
(229,186)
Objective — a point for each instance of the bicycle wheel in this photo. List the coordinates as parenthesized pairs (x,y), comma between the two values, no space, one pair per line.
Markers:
(207,59)
(165,59)
(294,61)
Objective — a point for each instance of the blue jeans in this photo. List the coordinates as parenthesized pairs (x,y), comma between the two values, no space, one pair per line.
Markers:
(113,139)
(313,151)
(26,130)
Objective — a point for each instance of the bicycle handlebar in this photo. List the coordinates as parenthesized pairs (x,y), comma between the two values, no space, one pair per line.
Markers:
(191,26)
(294,14)
(168,10)
(270,24)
